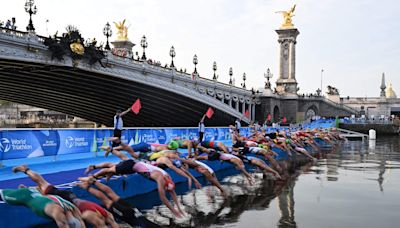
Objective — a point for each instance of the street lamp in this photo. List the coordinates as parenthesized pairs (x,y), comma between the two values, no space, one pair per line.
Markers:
(172,54)
(215,77)
(195,61)
(30,8)
(268,75)
(144,45)
(244,81)
(230,76)
(108,33)
(322,71)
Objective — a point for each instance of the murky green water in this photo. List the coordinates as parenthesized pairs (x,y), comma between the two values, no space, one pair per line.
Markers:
(355,186)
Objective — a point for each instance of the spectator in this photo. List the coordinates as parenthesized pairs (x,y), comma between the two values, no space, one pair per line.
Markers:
(8,24)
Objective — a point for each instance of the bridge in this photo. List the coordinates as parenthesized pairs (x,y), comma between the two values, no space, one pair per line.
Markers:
(169,97)
(30,75)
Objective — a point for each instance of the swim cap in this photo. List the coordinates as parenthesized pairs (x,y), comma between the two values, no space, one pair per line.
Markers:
(287,141)
(173,145)
(169,184)
(261,145)
(156,155)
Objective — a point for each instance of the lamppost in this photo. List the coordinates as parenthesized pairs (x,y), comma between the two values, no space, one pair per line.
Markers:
(30,8)
(230,76)
(144,45)
(244,81)
(322,71)
(172,54)
(215,77)
(195,61)
(268,75)
(108,33)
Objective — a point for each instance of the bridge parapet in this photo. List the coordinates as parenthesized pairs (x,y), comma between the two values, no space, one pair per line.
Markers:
(28,47)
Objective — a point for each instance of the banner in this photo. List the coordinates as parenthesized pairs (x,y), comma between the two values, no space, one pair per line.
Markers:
(36,143)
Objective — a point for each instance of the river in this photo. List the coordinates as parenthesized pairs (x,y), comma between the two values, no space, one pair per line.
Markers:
(357,185)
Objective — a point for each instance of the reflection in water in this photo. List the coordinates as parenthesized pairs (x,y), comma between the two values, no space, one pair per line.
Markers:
(286,206)
(343,180)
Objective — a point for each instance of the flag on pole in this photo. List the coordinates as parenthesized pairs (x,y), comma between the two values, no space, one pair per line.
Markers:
(269,117)
(136,106)
(284,120)
(210,113)
(247,113)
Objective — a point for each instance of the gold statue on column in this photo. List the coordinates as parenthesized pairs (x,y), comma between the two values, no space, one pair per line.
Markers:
(122,31)
(287,17)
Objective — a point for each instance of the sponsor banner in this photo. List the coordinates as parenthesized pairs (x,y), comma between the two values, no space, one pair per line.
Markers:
(76,141)
(35,143)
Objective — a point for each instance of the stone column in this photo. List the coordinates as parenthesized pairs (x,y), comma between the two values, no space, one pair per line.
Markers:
(292,66)
(286,82)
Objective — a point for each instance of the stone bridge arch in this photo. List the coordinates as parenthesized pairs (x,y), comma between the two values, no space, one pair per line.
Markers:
(276,114)
(311,111)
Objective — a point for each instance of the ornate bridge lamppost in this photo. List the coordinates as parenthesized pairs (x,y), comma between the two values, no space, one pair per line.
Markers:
(30,8)
(215,77)
(268,75)
(195,61)
(172,54)
(244,81)
(230,76)
(108,33)
(144,45)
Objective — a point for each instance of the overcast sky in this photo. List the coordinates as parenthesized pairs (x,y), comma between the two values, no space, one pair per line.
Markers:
(354,41)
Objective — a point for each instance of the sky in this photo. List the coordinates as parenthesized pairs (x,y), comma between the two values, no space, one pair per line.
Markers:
(354,42)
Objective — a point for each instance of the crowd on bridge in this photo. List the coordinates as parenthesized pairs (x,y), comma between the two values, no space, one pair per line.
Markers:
(267,151)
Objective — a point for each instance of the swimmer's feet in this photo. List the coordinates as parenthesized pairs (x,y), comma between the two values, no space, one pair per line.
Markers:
(107,149)
(113,139)
(90,168)
(20,168)
(89,179)
(84,185)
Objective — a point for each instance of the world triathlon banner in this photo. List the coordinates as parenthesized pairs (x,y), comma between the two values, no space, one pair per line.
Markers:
(36,143)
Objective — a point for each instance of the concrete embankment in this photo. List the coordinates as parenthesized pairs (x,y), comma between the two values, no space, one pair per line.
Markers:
(381,129)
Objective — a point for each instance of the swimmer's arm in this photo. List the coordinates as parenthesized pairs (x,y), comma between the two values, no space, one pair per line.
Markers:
(111,221)
(196,182)
(77,214)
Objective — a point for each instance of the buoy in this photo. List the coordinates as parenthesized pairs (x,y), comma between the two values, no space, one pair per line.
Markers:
(372,134)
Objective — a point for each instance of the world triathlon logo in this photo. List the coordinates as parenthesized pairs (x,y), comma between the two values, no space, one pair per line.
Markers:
(69,142)
(5,145)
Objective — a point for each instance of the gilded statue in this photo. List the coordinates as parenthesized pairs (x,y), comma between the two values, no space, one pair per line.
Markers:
(77,48)
(122,31)
(287,17)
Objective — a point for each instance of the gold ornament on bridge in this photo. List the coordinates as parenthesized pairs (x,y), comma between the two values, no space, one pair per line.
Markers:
(77,48)
(287,18)
(122,31)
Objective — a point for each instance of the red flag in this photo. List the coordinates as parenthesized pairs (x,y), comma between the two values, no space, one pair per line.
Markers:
(284,120)
(247,113)
(269,117)
(210,113)
(136,106)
